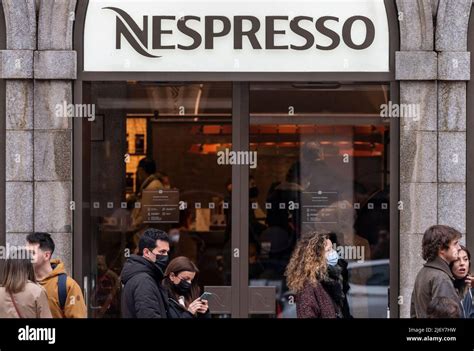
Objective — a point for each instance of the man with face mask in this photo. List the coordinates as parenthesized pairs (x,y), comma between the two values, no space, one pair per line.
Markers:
(142,274)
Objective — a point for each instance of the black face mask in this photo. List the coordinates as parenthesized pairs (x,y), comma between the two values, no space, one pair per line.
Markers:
(183,287)
(161,261)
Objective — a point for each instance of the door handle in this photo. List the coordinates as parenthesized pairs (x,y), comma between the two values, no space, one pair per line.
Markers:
(86,290)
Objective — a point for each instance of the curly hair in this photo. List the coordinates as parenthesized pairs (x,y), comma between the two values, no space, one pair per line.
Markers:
(307,262)
(437,237)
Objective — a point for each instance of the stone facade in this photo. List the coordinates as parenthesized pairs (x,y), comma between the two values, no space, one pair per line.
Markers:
(432,66)
(39,67)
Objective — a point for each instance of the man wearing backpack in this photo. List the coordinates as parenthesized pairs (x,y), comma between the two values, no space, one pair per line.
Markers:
(64,294)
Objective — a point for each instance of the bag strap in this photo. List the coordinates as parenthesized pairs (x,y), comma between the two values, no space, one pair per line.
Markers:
(62,290)
(14,305)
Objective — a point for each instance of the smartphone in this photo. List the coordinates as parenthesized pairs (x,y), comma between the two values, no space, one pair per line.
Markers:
(205,296)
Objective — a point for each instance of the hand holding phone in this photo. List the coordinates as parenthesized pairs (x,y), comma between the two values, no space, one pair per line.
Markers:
(470,281)
(205,296)
(196,306)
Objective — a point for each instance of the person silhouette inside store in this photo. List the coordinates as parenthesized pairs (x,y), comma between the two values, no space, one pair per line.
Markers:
(278,240)
(337,214)
(148,179)
(106,296)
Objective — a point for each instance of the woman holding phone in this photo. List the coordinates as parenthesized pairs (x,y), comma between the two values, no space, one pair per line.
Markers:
(464,282)
(183,291)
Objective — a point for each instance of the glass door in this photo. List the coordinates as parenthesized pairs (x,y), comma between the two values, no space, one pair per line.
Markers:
(322,152)
(243,171)
(150,160)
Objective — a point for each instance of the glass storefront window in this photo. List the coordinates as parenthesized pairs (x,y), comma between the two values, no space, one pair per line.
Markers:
(322,167)
(179,188)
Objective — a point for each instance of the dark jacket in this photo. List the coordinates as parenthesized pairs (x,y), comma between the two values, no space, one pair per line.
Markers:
(176,310)
(468,304)
(323,300)
(314,302)
(435,279)
(344,276)
(143,296)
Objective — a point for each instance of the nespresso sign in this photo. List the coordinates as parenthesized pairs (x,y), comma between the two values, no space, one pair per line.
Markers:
(236,36)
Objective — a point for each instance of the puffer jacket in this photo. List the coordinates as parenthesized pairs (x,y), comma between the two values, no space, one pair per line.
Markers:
(143,296)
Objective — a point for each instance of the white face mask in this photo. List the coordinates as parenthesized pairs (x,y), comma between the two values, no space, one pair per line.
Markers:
(332,257)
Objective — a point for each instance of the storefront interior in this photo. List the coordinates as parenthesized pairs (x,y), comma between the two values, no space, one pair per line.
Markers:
(322,164)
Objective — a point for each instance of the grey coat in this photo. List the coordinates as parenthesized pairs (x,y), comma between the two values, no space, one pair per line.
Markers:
(434,280)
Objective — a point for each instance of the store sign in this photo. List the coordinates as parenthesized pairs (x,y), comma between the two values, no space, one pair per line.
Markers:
(236,36)
(160,206)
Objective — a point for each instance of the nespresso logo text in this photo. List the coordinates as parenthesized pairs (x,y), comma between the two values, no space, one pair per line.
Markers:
(221,26)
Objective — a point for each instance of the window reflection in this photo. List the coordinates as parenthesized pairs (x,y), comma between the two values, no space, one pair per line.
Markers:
(322,168)
(153,164)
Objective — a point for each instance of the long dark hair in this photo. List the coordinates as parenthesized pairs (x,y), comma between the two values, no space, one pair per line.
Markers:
(460,284)
(18,271)
(176,266)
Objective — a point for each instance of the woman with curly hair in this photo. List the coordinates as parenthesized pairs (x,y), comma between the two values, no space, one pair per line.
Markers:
(313,275)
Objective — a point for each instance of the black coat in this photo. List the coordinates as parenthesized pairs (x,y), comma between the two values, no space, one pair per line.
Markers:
(175,310)
(143,295)
(333,285)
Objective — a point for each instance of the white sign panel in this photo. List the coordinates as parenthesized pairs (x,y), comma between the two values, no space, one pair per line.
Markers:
(236,36)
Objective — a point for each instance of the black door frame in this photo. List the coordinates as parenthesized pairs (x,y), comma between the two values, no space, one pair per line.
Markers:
(240,139)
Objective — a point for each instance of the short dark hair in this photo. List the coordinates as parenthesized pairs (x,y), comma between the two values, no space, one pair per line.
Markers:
(443,307)
(437,237)
(148,164)
(44,240)
(149,238)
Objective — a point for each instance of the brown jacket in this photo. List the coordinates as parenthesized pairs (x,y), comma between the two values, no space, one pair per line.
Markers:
(75,306)
(32,302)
(434,280)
